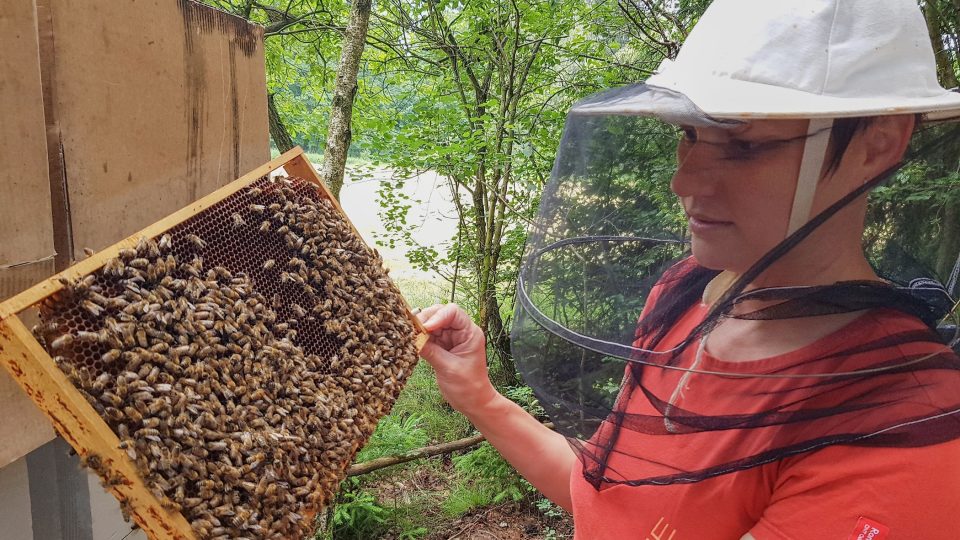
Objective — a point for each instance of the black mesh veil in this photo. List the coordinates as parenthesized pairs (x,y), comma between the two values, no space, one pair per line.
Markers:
(612,333)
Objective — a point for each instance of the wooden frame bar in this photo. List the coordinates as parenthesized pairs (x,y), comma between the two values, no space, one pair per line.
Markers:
(80,425)
(52,285)
(70,413)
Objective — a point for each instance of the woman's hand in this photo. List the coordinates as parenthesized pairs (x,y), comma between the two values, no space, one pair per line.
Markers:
(457,351)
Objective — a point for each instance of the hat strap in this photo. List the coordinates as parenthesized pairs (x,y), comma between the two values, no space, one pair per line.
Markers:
(814,156)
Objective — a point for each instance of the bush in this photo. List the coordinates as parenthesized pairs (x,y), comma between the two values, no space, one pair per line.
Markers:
(357,516)
(396,433)
(484,478)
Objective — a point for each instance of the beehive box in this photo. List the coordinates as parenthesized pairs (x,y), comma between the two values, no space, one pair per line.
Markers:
(220,369)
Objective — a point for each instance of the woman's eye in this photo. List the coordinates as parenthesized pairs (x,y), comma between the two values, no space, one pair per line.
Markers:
(745,147)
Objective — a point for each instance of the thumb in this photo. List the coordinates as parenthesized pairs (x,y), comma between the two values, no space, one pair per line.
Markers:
(432,353)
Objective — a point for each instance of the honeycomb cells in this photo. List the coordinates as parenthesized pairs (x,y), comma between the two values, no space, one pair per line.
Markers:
(264,323)
(245,249)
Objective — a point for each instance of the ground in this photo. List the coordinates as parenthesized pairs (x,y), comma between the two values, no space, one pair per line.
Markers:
(503,522)
(511,520)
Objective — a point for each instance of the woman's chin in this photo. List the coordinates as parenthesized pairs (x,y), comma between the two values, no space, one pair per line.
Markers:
(715,257)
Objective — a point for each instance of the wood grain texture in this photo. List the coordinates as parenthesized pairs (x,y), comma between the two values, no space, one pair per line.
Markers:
(51,285)
(27,232)
(150,115)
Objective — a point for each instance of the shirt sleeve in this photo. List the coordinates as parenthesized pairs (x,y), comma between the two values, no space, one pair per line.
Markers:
(853,493)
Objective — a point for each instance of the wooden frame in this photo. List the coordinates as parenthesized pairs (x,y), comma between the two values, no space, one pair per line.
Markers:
(72,416)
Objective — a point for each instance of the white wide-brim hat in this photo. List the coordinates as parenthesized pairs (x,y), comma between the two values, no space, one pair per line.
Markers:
(784,59)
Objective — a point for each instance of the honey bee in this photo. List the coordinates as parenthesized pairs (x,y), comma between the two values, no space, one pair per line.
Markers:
(293,241)
(84,336)
(92,308)
(101,382)
(197,242)
(62,342)
(133,414)
(240,518)
(111,399)
(141,335)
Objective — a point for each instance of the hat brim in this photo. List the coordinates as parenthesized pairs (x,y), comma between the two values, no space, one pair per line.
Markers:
(641,99)
(723,102)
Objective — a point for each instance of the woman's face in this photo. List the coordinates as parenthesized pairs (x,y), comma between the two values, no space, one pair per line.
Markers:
(737,188)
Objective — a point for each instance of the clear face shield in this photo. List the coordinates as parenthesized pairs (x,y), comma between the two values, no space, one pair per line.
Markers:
(614,311)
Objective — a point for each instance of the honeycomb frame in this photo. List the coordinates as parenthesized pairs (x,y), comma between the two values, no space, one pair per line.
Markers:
(72,416)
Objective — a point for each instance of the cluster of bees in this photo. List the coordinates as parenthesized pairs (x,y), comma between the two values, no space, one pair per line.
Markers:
(242,358)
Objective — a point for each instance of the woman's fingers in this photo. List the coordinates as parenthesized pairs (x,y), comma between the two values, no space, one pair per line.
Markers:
(457,352)
(426,313)
(434,354)
(446,316)
(451,328)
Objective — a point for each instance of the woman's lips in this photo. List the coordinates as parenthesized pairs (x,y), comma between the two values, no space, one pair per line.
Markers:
(704,225)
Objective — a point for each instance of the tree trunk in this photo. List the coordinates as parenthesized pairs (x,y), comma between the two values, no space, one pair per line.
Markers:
(949,251)
(338,132)
(499,339)
(278,131)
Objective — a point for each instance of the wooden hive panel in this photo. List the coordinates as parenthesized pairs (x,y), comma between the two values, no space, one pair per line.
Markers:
(153,396)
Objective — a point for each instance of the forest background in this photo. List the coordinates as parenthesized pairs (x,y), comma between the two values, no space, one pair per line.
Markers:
(475,92)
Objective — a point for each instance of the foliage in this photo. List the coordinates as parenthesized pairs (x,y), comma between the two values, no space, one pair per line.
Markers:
(478,92)
(551,514)
(523,395)
(484,479)
(357,515)
(396,433)
(422,396)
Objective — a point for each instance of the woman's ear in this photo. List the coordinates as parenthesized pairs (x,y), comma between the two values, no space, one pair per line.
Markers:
(882,142)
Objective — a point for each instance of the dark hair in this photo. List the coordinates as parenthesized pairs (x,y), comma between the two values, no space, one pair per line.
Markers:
(683,286)
(840,136)
(842,133)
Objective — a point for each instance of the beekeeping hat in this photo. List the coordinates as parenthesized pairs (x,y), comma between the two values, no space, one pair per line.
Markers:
(608,237)
(748,59)
(794,59)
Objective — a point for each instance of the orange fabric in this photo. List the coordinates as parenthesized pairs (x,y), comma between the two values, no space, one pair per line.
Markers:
(915,492)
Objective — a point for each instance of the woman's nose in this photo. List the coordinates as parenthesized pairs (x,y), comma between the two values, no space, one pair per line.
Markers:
(696,173)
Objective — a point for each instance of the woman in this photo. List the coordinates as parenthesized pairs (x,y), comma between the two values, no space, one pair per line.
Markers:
(822,405)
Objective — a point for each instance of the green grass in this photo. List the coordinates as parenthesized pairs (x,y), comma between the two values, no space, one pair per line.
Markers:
(423,292)
(421,396)
(466,497)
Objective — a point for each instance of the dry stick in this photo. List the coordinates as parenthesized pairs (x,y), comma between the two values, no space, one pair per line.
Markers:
(358,469)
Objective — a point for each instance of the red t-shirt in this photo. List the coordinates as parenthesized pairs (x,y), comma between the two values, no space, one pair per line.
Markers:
(838,492)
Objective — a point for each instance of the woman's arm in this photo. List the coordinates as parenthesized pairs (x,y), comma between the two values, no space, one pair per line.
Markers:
(457,352)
